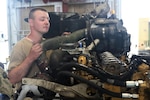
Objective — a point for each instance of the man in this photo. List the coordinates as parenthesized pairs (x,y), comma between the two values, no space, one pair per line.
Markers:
(26,51)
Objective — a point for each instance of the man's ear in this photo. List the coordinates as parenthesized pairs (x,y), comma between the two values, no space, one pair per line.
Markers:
(30,21)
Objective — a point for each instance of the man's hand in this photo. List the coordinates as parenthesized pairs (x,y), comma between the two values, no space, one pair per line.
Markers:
(35,51)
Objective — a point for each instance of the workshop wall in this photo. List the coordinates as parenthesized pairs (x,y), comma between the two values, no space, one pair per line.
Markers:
(24,12)
(81,8)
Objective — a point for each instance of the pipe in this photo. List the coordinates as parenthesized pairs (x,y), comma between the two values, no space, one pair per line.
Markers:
(132,67)
(55,43)
(102,77)
(68,66)
(100,89)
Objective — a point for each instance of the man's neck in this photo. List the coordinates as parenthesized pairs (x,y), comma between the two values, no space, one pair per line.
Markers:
(34,38)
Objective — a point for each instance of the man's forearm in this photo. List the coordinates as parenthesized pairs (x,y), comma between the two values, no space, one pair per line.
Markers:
(17,73)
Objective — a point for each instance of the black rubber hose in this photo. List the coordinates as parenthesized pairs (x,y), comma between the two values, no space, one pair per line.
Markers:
(93,85)
(144,58)
(68,66)
(132,68)
(127,75)
(106,74)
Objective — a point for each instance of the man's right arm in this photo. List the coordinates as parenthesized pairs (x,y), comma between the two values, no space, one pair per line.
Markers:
(16,74)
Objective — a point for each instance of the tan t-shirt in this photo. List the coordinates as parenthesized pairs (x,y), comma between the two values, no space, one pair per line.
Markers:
(19,53)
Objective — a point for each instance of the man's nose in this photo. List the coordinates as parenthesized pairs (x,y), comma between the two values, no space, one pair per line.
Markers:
(47,22)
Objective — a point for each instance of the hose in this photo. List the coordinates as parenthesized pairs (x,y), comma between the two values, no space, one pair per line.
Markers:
(145,58)
(95,73)
(100,89)
(132,67)
(54,43)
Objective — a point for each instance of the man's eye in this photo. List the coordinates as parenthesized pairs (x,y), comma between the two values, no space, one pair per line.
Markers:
(42,19)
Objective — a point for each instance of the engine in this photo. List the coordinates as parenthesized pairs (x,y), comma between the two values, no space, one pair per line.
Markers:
(78,72)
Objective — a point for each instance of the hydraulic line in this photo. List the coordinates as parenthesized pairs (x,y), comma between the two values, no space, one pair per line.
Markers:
(101,77)
(132,67)
(144,58)
(100,89)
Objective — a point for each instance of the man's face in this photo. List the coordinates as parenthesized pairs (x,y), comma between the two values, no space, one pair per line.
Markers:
(40,22)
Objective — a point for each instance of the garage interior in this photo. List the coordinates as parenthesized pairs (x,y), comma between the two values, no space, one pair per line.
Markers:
(111,63)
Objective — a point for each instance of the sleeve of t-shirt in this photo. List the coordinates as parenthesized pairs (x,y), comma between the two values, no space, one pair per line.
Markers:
(16,57)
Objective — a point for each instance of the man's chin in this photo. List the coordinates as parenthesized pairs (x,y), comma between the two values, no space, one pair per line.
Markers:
(44,32)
